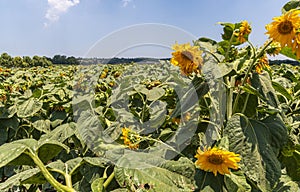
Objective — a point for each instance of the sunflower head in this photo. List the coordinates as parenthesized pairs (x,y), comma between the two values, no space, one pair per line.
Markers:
(131,138)
(273,49)
(188,58)
(262,63)
(243,31)
(217,160)
(284,27)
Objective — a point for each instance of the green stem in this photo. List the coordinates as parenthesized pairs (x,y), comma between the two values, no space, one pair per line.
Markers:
(48,176)
(229,97)
(108,180)
(248,73)
(245,104)
(214,56)
(230,43)
(68,177)
(202,185)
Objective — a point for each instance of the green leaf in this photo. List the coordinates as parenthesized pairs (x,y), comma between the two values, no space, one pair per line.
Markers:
(24,159)
(6,113)
(12,123)
(263,84)
(47,149)
(97,185)
(158,112)
(167,175)
(278,132)
(3,136)
(206,43)
(42,125)
(236,182)
(96,161)
(292,4)
(18,179)
(280,89)
(60,133)
(287,51)
(291,160)
(155,93)
(152,94)
(90,173)
(10,152)
(228,30)
(29,107)
(206,181)
(72,165)
(286,184)
(121,190)
(249,89)
(197,90)
(57,118)
(258,145)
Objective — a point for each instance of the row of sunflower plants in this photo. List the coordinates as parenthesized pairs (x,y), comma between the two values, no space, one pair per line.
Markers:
(223,124)
(216,117)
(40,147)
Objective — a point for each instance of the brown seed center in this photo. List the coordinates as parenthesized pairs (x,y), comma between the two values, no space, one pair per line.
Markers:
(187,55)
(285,27)
(216,159)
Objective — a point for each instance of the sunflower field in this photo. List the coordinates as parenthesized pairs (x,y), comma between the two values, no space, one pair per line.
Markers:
(216,117)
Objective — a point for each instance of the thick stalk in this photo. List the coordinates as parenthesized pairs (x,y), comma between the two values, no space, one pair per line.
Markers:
(108,180)
(48,176)
(68,180)
(248,73)
(229,98)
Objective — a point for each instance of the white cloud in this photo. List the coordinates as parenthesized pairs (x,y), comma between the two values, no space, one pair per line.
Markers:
(58,7)
(126,3)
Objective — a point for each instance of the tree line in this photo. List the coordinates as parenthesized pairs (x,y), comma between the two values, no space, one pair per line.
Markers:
(27,61)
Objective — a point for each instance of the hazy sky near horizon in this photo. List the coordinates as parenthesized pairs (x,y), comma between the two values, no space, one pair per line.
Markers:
(127,28)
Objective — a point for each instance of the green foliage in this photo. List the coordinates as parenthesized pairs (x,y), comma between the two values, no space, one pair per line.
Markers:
(168,175)
(45,112)
(26,61)
(62,127)
(287,51)
(292,4)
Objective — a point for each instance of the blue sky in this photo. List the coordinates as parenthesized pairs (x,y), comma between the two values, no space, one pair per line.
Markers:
(128,28)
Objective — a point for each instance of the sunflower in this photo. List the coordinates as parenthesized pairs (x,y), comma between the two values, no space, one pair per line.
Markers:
(216,160)
(283,28)
(187,57)
(273,49)
(243,32)
(262,63)
(131,138)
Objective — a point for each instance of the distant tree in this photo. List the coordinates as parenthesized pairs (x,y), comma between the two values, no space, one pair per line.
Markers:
(62,59)
(17,61)
(6,60)
(40,61)
(72,61)
(27,61)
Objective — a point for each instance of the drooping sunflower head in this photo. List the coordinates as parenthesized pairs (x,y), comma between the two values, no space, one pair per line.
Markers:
(284,28)
(131,138)
(243,31)
(273,49)
(188,58)
(262,63)
(217,160)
